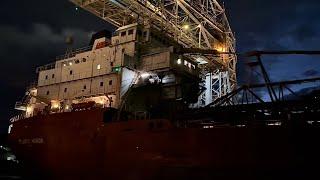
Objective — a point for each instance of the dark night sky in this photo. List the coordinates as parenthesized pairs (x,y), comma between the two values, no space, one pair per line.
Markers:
(32,33)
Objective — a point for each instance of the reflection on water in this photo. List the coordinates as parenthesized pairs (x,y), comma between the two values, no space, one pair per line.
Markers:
(10,168)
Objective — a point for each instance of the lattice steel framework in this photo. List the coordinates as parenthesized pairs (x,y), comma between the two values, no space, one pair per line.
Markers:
(216,85)
(192,23)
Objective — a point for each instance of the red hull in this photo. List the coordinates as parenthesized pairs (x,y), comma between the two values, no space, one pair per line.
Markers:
(80,144)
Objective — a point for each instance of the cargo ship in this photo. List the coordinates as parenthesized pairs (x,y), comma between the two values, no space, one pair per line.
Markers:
(122,108)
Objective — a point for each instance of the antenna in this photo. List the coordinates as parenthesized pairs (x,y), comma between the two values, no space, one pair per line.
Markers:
(69,42)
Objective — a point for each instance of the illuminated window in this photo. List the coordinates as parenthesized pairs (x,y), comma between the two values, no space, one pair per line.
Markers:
(179,61)
(101,83)
(186,63)
(98,66)
(70,63)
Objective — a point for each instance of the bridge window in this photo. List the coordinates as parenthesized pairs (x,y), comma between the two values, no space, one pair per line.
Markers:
(98,66)
(130,32)
(46,76)
(139,32)
(84,87)
(71,72)
(65,89)
(145,33)
(101,83)
(48,92)
(123,33)
(110,82)
(52,76)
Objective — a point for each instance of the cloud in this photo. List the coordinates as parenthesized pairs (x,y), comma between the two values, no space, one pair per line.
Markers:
(22,50)
(310,72)
(276,25)
(39,35)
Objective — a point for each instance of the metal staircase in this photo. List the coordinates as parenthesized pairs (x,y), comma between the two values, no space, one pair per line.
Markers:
(126,94)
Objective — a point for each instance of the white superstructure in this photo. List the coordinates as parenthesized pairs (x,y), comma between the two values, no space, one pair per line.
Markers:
(103,72)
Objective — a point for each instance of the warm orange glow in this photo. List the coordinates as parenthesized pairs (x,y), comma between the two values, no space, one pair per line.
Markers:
(29,109)
(101,102)
(55,104)
(220,49)
(186,27)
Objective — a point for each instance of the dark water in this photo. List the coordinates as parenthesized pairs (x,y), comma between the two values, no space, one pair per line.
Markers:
(10,167)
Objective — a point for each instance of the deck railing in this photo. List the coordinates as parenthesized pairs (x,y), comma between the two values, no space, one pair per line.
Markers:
(73,53)
(17,118)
